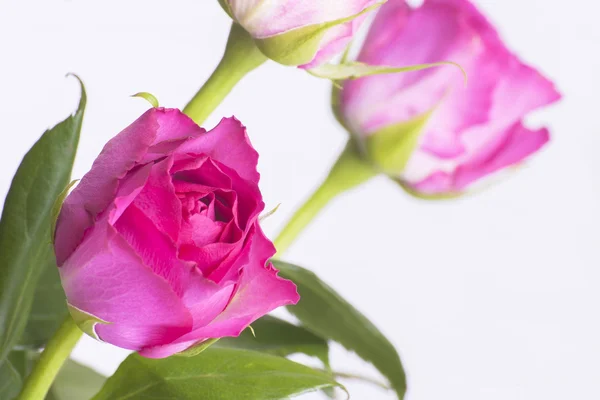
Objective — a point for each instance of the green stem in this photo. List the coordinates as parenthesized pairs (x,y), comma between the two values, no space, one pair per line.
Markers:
(51,360)
(241,57)
(349,171)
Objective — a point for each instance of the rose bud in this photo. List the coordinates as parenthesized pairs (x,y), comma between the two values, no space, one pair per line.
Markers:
(159,247)
(428,130)
(300,33)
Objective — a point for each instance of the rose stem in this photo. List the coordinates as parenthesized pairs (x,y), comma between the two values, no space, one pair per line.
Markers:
(349,171)
(241,57)
(57,351)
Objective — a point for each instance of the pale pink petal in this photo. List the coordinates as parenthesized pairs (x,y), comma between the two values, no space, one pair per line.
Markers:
(269,18)
(517,144)
(335,41)
(373,102)
(467,124)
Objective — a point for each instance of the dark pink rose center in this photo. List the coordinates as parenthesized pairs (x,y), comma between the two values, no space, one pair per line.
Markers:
(210,231)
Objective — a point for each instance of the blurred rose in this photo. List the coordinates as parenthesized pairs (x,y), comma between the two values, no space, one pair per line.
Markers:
(467,132)
(300,32)
(161,238)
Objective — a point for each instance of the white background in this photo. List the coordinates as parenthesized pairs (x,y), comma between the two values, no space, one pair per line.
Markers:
(493,297)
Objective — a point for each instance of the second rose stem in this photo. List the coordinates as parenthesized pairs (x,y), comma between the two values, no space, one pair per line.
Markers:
(349,171)
(241,57)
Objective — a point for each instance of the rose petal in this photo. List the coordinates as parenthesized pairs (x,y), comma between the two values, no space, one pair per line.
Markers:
(335,41)
(443,34)
(158,201)
(517,144)
(259,291)
(269,18)
(98,187)
(228,144)
(106,278)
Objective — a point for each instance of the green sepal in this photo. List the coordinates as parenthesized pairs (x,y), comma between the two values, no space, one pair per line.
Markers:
(197,348)
(428,196)
(267,215)
(149,97)
(299,46)
(391,147)
(86,321)
(226,7)
(58,205)
(356,70)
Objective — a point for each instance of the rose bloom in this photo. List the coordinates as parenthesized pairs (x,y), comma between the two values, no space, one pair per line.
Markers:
(472,130)
(279,20)
(161,240)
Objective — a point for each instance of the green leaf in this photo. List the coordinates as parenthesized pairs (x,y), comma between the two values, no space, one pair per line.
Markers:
(26,222)
(48,311)
(299,46)
(327,314)
(49,307)
(10,381)
(21,361)
(216,374)
(76,382)
(281,338)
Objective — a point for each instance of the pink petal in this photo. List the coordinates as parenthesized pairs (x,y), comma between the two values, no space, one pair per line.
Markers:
(259,291)
(98,187)
(106,278)
(228,144)
(443,33)
(205,299)
(213,172)
(517,144)
(155,249)
(158,201)
(467,123)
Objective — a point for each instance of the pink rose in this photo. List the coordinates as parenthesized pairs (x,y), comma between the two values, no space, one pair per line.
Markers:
(300,32)
(161,238)
(472,131)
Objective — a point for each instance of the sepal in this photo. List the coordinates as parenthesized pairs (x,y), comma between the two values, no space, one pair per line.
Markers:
(86,321)
(391,147)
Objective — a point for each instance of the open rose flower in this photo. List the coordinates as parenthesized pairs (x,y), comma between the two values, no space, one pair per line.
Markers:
(468,131)
(302,33)
(161,242)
